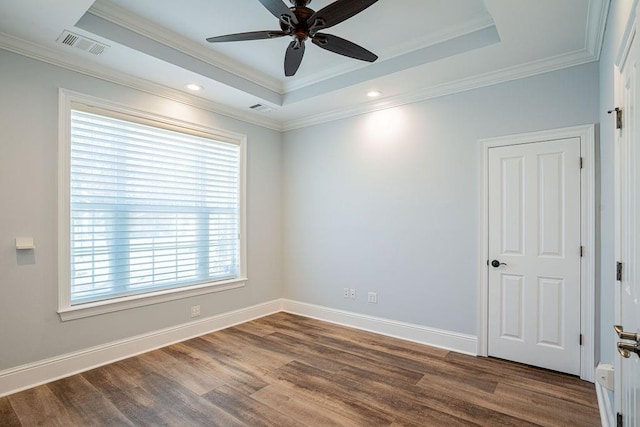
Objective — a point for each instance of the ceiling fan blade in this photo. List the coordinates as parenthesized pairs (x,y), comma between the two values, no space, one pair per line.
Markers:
(278,9)
(337,12)
(293,58)
(254,35)
(344,47)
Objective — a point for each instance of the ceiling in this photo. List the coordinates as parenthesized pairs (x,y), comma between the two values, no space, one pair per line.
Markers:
(426,48)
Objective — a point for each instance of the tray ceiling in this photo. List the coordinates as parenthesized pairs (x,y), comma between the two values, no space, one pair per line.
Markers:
(426,48)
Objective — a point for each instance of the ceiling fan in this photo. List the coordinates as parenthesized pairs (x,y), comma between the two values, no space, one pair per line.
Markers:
(302,23)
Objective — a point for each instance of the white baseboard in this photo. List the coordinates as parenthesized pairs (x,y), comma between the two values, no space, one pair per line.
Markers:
(607,418)
(44,371)
(454,341)
(33,374)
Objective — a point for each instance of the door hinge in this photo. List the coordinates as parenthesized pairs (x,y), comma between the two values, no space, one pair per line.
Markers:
(618,112)
(619,271)
(581,251)
(619,422)
(581,340)
(581,162)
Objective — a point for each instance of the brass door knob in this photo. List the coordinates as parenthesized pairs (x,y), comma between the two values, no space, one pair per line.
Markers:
(625,335)
(625,349)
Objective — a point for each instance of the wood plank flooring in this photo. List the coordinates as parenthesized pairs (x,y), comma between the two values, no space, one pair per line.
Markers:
(285,370)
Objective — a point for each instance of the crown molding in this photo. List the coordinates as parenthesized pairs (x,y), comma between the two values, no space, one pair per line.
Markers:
(455,31)
(416,61)
(124,18)
(488,79)
(77,64)
(411,45)
(596,25)
(74,63)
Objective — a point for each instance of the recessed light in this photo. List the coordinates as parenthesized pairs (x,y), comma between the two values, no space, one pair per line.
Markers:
(374,94)
(194,87)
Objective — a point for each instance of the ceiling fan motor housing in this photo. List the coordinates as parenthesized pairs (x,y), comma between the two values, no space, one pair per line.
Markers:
(300,30)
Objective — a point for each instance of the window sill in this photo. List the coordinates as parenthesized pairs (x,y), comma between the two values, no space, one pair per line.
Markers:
(133,301)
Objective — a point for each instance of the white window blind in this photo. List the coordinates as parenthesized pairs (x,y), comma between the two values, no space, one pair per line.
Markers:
(150,208)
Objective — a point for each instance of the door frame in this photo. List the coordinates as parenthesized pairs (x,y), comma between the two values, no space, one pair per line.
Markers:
(586,133)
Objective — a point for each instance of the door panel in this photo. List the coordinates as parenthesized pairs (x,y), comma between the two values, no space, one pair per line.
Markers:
(534,229)
(512,307)
(550,311)
(512,206)
(550,204)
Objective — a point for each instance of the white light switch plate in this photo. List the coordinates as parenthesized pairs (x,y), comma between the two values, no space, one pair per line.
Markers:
(25,243)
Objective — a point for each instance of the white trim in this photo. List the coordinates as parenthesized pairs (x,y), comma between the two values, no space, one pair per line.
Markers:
(588,260)
(453,341)
(623,52)
(64,194)
(70,312)
(627,38)
(618,138)
(597,17)
(607,417)
(596,23)
(530,69)
(153,31)
(406,48)
(70,96)
(33,374)
(74,63)
(136,23)
(79,65)
(617,209)
(133,301)
(586,133)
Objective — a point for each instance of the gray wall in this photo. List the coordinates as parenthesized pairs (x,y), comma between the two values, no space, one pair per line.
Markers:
(384,202)
(619,12)
(388,201)
(29,326)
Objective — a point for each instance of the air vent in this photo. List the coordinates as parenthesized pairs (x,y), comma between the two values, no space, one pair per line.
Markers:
(261,108)
(83,43)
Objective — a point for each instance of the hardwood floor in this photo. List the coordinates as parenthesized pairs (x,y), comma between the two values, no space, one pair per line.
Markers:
(285,370)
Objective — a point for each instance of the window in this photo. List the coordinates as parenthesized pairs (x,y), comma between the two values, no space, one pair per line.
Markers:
(152,209)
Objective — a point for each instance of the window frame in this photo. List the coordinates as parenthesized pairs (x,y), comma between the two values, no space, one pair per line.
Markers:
(66,101)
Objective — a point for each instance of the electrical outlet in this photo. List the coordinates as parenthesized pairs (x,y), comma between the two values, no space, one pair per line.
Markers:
(345,292)
(195,311)
(372,297)
(352,293)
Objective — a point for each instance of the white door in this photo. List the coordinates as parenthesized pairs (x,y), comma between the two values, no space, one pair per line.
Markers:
(534,250)
(628,242)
